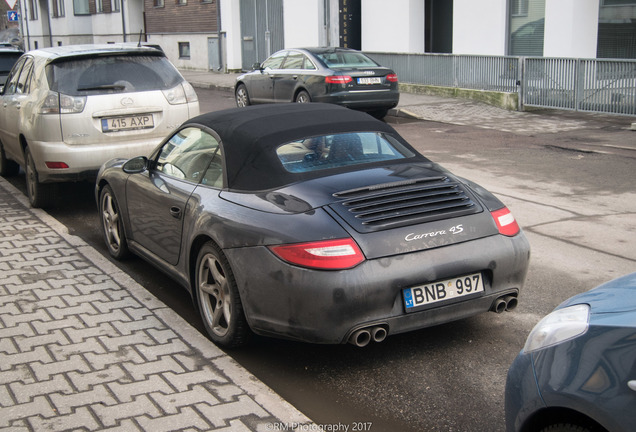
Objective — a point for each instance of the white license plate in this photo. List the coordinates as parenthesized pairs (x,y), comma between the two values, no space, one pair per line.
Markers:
(439,291)
(114,124)
(373,80)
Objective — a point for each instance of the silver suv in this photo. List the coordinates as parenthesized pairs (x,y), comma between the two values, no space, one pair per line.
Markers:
(66,110)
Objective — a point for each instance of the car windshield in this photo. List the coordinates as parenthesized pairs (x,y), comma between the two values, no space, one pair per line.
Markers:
(345,60)
(82,76)
(7,60)
(331,151)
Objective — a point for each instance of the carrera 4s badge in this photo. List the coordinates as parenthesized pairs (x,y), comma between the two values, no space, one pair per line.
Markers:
(452,230)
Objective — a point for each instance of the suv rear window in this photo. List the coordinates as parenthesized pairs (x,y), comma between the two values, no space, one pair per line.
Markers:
(81,76)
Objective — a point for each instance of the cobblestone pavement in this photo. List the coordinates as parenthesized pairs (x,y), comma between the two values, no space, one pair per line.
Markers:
(84,347)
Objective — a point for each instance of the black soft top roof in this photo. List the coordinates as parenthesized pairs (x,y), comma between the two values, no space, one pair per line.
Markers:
(251,135)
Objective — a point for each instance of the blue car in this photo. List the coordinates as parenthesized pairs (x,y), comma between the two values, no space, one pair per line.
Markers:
(577,370)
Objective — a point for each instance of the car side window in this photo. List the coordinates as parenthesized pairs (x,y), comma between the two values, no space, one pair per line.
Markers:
(294,61)
(23,85)
(12,79)
(188,156)
(308,64)
(275,61)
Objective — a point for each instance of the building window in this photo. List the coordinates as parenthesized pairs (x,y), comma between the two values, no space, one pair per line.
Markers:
(158,3)
(519,8)
(182,2)
(58,8)
(184,50)
(80,7)
(616,30)
(33,13)
(526,27)
(107,6)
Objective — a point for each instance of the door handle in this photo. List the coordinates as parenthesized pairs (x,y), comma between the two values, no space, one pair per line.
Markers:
(175,212)
(632,384)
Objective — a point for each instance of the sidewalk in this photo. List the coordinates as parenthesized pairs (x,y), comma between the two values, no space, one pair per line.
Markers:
(465,112)
(84,347)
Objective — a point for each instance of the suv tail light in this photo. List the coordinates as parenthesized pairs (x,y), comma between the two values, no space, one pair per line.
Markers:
(59,103)
(181,94)
(338,79)
(327,255)
(506,223)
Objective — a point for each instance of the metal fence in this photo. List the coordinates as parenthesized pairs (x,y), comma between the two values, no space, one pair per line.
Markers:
(597,85)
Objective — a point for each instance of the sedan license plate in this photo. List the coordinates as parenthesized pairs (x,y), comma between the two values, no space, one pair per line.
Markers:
(372,80)
(115,124)
(423,295)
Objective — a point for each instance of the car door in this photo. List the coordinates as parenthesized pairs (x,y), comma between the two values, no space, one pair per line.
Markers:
(158,199)
(262,88)
(14,94)
(286,79)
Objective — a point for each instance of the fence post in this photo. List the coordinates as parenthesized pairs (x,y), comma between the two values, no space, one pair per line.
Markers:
(521,82)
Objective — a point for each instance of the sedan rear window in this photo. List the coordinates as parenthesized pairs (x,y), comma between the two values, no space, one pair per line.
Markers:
(81,76)
(346,60)
(332,151)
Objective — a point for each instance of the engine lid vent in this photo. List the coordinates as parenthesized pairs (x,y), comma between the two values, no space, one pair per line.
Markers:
(392,205)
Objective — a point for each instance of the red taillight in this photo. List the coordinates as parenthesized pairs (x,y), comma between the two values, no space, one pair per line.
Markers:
(328,254)
(506,223)
(338,79)
(56,165)
(392,78)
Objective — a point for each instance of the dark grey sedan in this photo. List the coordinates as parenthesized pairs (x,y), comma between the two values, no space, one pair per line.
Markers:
(312,222)
(332,75)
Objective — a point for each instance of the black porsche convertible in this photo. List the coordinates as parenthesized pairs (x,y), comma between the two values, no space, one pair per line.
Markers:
(311,222)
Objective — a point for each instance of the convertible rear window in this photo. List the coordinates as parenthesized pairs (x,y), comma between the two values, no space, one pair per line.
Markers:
(81,76)
(332,151)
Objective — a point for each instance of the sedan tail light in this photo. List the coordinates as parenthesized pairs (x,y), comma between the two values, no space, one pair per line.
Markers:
(327,255)
(338,79)
(506,223)
(392,78)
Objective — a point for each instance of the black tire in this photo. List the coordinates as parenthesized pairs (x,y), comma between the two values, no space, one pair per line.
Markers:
(218,299)
(241,96)
(40,194)
(302,97)
(567,427)
(112,224)
(8,168)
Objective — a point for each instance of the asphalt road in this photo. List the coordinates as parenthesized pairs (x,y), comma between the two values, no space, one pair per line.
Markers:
(578,210)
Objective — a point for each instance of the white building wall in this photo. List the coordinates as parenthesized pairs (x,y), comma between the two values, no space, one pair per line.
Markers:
(571,28)
(479,27)
(231,26)
(396,26)
(302,20)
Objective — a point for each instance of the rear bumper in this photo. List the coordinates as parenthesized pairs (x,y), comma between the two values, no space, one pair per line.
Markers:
(327,306)
(83,161)
(363,100)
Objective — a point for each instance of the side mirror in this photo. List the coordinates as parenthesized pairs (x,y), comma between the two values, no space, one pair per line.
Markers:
(136,165)
(257,66)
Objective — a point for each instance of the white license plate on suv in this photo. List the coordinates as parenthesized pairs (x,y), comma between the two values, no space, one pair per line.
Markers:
(373,80)
(115,124)
(439,291)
